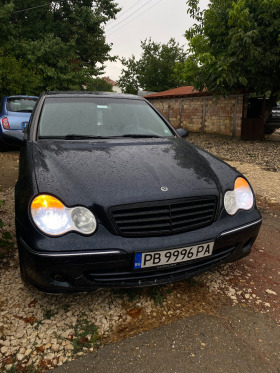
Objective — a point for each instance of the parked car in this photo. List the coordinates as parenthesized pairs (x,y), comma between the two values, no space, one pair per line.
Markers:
(273,122)
(110,194)
(15,112)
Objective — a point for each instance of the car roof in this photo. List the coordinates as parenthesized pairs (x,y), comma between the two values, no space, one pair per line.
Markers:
(92,94)
(21,96)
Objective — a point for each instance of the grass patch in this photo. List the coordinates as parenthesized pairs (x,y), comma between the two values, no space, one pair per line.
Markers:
(6,244)
(6,239)
(192,282)
(7,236)
(130,294)
(18,368)
(1,222)
(37,325)
(66,307)
(48,314)
(85,335)
(158,294)
(13,369)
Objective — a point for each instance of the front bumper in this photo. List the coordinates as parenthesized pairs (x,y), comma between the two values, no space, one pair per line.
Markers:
(72,270)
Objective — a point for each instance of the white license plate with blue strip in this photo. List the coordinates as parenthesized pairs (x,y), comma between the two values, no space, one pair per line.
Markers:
(173,256)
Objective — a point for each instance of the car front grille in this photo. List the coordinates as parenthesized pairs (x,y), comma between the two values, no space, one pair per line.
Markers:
(163,217)
(159,275)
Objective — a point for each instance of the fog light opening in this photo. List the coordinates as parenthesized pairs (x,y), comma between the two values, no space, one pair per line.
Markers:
(60,277)
(248,243)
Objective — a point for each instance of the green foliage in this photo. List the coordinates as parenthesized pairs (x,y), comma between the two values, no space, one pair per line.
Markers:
(56,46)
(129,294)
(129,77)
(86,335)
(157,294)
(49,313)
(18,368)
(1,222)
(15,77)
(66,307)
(7,236)
(99,84)
(234,45)
(154,71)
(13,369)
(6,239)
(192,282)
(6,242)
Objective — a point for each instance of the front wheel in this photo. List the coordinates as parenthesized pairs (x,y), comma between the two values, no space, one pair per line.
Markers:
(3,146)
(269,131)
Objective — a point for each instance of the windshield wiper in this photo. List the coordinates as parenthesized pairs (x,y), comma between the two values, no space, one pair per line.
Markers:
(73,136)
(140,136)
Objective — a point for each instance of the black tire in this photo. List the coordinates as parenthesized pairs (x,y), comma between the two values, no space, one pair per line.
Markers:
(3,146)
(269,131)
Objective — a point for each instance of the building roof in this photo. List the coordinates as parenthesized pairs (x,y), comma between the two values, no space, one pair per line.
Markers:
(109,81)
(91,94)
(179,92)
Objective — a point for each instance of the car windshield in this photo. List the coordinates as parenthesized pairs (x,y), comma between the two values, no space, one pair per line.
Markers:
(97,117)
(21,104)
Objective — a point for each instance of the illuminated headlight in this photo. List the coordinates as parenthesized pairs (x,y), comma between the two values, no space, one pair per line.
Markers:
(241,198)
(52,217)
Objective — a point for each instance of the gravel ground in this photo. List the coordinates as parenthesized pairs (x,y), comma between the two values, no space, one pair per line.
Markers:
(40,331)
(265,154)
(259,161)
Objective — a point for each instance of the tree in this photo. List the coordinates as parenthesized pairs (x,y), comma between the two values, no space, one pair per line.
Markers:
(16,78)
(154,71)
(234,45)
(59,44)
(129,77)
(99,84)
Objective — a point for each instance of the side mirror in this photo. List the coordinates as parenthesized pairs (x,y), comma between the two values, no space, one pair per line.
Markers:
(15,138)
(182,132)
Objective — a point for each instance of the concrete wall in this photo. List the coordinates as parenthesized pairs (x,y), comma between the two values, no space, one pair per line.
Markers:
(117,89)
(206,114)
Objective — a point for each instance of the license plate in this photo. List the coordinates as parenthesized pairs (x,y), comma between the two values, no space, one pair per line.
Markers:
(172,256)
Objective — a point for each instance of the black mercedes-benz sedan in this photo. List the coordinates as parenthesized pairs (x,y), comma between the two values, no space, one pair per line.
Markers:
(110,194)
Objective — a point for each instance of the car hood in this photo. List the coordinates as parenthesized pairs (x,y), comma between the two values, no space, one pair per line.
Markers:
(113,172)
